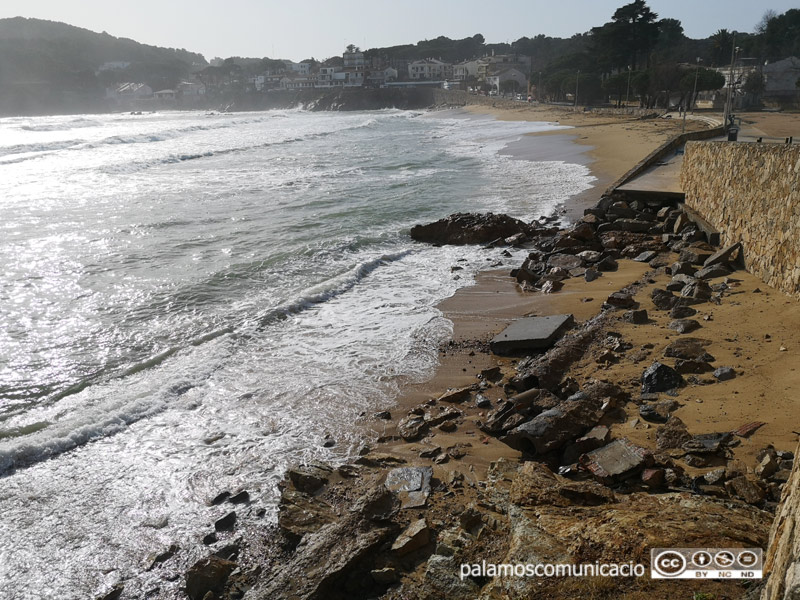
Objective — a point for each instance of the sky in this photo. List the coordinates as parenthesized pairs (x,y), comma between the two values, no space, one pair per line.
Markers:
(322,28)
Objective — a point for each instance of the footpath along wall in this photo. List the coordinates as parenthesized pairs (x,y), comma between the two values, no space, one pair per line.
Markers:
(751,194)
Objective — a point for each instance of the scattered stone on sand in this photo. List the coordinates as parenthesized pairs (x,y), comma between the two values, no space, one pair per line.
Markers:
(659,377)
(411,485)
(684,325)
(724,373)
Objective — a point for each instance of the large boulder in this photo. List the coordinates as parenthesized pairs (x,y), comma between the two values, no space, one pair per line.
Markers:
(470,228)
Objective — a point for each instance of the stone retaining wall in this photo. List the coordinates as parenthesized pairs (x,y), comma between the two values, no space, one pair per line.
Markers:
(782,560)
(462,98)
(750,193)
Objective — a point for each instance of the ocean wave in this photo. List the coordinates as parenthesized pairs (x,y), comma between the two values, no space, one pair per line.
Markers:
(330,289)
(73,124)
(42,147)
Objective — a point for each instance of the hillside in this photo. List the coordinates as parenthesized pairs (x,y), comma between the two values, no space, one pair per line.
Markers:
(46,65)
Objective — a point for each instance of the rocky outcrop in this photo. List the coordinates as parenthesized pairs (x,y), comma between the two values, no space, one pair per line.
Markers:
(471,228)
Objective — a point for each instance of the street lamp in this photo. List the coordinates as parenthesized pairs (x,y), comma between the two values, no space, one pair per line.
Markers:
(577,78)
(627,91)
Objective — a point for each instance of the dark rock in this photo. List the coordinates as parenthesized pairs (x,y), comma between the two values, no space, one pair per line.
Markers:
(637,317)
(679,282)
(650,412)
(411,485)
(595,438)
(564,261)
(482,401)
(591,274)
(384,415)
(226,523)
(208,575)
(697,291)
(662,299)
(385,576)
(724,373)
(661,260)
(683,268)
(470,228)
(220,498)
(682,312)
(242,497)
(210,538)
(694,255)
(684,325)
(448,414)
(710,272)
(607,264)
(660,378)
(681,223)
(621,300)
(309,478)
(431,452)
(583,231)
(491,374)
(646,256)
(554,428)
(616,460)
(653,478)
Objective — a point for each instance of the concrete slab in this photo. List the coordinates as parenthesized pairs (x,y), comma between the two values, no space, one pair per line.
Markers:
(615,460)
(531,333)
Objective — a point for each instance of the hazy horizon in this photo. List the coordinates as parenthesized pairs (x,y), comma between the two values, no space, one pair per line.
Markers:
(279,30)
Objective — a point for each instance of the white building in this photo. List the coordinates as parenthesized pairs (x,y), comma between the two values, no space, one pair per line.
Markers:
(497,80)
(465,70)
(430,68)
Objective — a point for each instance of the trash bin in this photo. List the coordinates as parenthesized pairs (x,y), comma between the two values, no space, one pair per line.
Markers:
(733,134)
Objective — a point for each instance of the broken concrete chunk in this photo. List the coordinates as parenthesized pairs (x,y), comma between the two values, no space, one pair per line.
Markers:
(412,485)
(726,255)
(531,333)
(616,460)
(713,271)
(707,443)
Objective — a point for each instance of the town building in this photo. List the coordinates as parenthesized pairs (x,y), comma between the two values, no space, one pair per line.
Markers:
(431,69)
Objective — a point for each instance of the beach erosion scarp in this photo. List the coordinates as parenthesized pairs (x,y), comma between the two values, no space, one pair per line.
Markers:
(663,419)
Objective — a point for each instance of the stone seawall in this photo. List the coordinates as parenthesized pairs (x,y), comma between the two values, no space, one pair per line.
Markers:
(750,193)
(782,561)
(461,98)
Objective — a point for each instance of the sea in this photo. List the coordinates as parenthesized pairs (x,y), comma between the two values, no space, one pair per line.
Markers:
(190,302)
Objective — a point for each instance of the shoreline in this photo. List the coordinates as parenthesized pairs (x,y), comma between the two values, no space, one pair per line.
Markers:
(484,491)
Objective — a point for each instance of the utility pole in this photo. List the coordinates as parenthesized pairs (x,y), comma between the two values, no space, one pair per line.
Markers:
(728,100)
(577,78)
